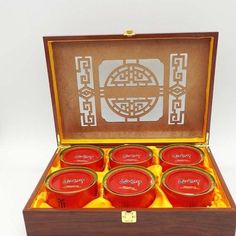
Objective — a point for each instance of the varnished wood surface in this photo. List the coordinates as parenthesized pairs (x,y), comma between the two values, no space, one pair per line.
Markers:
(104,223)
(98,38)
(137,36)
(172,221)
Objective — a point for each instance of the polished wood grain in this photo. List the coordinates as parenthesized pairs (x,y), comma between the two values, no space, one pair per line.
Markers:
(214,53)
(104,222)
(97,38)
(177,222)
(172,221)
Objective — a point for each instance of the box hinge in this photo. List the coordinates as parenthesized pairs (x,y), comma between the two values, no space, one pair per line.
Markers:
(58,140)
(62,147)
(129,33)
(207,139)
(129,217)
(205,144)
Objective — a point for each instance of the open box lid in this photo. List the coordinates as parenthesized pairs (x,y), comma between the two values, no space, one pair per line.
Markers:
(152,88)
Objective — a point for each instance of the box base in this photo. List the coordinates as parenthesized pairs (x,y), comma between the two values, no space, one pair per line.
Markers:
(149,222)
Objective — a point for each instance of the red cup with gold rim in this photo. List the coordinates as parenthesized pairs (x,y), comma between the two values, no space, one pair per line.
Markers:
(180,155)
(71,187)
(188,186)
(129,186)
(83,156)
(130,155)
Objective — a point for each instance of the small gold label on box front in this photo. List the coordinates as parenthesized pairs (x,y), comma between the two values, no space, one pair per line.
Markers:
(129,216)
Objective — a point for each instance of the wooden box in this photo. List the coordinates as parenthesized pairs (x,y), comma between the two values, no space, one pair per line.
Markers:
(152,89)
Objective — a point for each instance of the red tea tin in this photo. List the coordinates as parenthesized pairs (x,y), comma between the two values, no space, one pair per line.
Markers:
(85,156)
(188,186)
(180,155)
(71,187)
(129,186)
(130,155)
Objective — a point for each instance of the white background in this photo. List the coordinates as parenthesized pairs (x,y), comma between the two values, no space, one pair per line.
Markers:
(27,136)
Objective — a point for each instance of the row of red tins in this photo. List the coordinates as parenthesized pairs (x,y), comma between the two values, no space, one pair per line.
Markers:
(93,157)
(130,186)
(126,186)
(128,183)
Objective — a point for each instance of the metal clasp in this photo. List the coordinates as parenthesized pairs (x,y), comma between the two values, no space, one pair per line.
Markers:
(129,217)
(129,33)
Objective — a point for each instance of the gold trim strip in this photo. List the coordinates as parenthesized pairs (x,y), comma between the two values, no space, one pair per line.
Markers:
(154,140)
(54,81)
(125,38)
(208,91)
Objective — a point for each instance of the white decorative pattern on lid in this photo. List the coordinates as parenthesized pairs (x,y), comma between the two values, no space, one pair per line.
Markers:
(177,88)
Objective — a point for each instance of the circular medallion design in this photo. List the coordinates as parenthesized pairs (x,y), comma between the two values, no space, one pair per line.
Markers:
(131,90)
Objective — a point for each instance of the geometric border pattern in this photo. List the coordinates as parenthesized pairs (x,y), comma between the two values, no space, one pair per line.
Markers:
(177,88)
(84,74)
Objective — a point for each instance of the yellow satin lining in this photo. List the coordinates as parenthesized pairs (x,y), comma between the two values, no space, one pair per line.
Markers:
(161,201)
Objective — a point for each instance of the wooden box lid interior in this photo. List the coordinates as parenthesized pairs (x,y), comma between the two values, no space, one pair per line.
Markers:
(154,88)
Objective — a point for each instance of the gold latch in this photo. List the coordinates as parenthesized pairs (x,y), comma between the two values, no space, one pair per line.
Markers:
(129,33)
(128,217)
